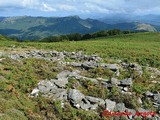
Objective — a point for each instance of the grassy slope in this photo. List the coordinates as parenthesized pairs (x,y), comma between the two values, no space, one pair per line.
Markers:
(18,78)
(141,47)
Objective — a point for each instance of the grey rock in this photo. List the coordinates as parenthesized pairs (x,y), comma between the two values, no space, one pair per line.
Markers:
(44,89)
(94,107)
(94,100)
(84,106)
(157,98)
(115,81)
(126,93)
(137,67)
(133,113)
(139,100)
(110,105)
(63,74)
(89,65)
(154,71)
(35,92)
(125,89)
(61,83)
(149,94)
(126,82)
(75,96)
(112,67)
(75,64)
(62,95)
(120,107)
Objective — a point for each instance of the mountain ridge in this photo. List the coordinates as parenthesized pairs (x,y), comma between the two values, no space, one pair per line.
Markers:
(28,27)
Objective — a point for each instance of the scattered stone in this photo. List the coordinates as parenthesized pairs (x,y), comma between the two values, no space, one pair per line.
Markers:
(110,105)
(94,100)
(115,81)
(75,96)
(139,101)
(35,92)
(126,82)
(149,94)
(120,107)
(89,65)
(125,89)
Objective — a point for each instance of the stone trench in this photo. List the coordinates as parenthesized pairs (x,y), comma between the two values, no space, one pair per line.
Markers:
(56,88)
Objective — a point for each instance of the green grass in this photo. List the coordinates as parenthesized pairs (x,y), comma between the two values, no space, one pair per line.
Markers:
(139,47)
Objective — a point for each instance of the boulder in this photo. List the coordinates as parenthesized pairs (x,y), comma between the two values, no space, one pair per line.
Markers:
(126,82)
(120,107)
(61,95)
(75,64)
(61,83)
(89,65)
(110,105)
(75,96)
(115,81)
(112,67)
(94,100)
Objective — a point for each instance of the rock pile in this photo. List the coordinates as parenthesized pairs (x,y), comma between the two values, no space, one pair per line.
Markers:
(57,88)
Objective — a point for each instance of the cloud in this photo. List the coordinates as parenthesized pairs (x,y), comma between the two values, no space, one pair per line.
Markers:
(47,8)
(83,6)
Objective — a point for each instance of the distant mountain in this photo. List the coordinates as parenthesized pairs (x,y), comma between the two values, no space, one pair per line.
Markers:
(26,27)
(135,26)
(39,27)
(128,18)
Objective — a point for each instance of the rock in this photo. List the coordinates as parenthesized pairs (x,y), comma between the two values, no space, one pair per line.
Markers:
(75,96)
(94,100)
(126,82)
(112,67)
(127,93)
(137,67)
(139,101)
(110,105)
(63,74)
(89,65)
(84,106)
(120,107)
(149,94)
(94,107)
(154,71)
(35,92)
(125,65)
(61,83)
(91,79)
(125,89)
(62,95)
(117,73)
(115,81)
(133,113)
(157,98)
(75,64)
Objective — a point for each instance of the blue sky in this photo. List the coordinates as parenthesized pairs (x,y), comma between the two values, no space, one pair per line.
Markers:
(83,8)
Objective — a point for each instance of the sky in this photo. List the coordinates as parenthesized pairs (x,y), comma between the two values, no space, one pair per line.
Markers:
(82,8)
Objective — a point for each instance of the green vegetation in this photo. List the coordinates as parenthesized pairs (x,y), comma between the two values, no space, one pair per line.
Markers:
(18,78)
(78,37)
(142,48)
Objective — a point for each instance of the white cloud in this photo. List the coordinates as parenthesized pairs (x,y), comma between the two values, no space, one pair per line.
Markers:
(85,6)
(47,8)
